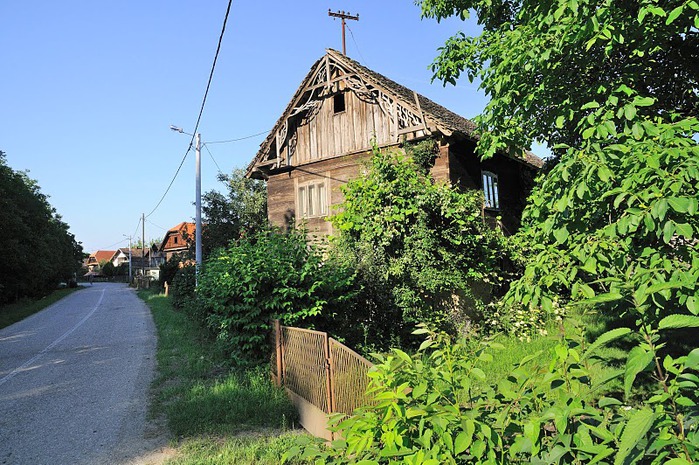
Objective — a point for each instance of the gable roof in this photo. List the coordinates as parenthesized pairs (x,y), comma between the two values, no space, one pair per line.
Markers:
(103,255)
(186,227)
(435,117)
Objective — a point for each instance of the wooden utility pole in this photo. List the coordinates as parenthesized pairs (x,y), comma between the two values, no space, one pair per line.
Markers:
(343,16)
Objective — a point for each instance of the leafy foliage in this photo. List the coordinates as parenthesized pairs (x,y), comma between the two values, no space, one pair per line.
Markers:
(265,276)
(542,62)
(39,250)
(436,407)
(420,247)
(616,225)
(227,217)
(615,222)
(184,286)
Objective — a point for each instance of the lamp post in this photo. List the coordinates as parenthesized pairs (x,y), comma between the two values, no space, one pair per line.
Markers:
(197,202)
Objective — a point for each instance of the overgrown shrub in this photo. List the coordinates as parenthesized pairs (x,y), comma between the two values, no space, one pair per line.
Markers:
(264,276)
(421,248)
(184,287)
(436,407)
(168,270)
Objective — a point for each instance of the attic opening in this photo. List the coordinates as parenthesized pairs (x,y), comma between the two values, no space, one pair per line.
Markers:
(339,102)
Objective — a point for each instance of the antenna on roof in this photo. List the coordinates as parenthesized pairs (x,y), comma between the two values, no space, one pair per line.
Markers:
(343,16)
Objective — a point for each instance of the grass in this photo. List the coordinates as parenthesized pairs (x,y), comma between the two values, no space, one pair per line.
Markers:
(12,313)
(609,358)
(215,412)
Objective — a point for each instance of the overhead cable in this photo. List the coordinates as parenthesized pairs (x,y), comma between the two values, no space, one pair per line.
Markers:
(201,109)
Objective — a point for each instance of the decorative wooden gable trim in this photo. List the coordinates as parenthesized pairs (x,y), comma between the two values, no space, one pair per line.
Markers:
(331,74)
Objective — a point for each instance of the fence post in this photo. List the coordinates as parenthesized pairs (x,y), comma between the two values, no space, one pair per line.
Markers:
(278,348)
(328,373)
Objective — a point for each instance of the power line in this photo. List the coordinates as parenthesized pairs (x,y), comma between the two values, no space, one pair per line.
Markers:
(160,227)
(189,149)
(213,67)
(136,230)
(201,109)
(240,138)
(110,246)
(213,159)
(357,45)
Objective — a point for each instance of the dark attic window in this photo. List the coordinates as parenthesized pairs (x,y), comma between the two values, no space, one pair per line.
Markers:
(339,102)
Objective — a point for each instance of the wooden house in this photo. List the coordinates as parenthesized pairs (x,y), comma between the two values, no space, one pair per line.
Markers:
(325,135)
(177,240)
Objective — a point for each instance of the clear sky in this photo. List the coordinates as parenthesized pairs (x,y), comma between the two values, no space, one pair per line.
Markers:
(88,90)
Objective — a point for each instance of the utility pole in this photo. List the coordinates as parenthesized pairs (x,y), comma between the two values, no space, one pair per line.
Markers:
(130,274)
(197,225)
(343,16)
(197,201)
(143,245)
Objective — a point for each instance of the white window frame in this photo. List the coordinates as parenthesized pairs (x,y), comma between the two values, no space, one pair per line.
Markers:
(491,190)
(312,200)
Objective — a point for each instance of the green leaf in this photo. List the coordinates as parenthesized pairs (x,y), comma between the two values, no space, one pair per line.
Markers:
(561,235)
(678,461)
(636,428)
(643,101)
(462,441)
(674,14)
(638,360)
(684,229)
(590,105)
(607,401)
(679,321)
(602,298)
(668,231)
(606,338)
(692,361)
(560,121)
(679,204)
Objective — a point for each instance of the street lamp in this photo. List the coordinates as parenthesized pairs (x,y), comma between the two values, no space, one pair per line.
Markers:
(197,227)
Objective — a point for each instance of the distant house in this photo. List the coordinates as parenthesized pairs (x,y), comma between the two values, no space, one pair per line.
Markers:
(152,258)
(177,240)
(97,259)
(325,135)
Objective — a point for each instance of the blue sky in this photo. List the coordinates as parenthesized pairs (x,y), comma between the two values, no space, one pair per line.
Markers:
(88,90)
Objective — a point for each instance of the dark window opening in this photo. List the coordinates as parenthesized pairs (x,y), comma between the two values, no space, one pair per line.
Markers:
(339,103)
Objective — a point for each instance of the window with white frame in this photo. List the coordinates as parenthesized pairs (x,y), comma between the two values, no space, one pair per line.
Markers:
(312,200)
(490,189)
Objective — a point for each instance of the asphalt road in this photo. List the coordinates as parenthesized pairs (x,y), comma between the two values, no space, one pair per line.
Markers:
(74,380)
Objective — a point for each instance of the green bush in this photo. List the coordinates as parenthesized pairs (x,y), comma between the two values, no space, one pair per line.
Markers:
(184,287)
(168,270)
(436,407)
(265,276)
(421,248)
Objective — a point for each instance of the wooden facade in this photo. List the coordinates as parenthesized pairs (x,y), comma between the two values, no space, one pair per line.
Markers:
(177,239)
(325,136)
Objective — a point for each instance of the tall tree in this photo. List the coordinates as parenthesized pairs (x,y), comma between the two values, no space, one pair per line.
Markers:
(614,84)
(541,62)
(39,250)
(241,210)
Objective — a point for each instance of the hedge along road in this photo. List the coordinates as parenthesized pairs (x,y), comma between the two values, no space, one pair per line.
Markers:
(74,380)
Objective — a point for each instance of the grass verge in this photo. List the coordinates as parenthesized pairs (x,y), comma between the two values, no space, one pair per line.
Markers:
(215,413)
(12,313)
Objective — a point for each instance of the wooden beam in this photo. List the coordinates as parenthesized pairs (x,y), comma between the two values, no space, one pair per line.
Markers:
(269,162)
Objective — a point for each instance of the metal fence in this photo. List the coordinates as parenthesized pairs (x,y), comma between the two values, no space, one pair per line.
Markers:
(319,370)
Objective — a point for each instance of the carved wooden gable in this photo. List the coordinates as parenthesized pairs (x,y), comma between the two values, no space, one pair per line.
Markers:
(339,109)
